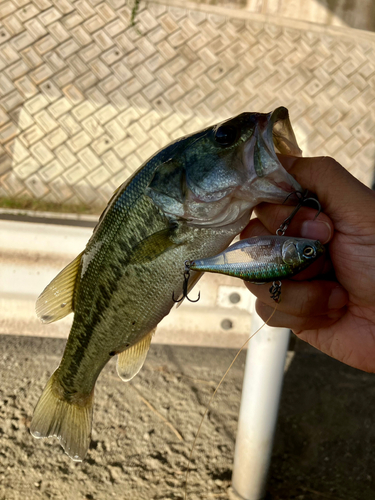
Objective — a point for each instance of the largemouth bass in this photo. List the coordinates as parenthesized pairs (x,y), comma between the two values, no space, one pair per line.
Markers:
(262,259)
(189,200)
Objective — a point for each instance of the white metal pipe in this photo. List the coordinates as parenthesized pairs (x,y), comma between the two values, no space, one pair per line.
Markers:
(261,392)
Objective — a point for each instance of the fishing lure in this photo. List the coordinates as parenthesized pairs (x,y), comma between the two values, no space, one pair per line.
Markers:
(262,259)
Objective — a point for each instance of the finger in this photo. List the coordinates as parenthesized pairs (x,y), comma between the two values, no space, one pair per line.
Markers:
(254,228)
(303,223)
(304,298)
(321,267)
(282,319)
(338,191)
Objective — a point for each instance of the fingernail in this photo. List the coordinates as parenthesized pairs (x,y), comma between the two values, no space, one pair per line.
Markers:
(297,332)
(316,230)
(338,298)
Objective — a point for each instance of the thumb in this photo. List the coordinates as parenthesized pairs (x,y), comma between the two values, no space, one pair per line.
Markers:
(343,197)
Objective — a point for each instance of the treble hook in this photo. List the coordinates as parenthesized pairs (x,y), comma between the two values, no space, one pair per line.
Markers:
(302,200)
(185,286)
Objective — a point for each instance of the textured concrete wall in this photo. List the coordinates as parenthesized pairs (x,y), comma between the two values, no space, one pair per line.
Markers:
(359,14)
(85,99)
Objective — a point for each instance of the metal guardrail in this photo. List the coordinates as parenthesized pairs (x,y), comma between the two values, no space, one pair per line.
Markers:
(31,255)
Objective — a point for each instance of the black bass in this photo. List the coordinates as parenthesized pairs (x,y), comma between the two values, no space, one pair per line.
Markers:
(190,199)
(262,258)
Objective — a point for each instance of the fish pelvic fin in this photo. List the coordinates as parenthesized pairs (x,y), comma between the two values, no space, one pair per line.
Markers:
(69,421)
(129,362)
(56,300)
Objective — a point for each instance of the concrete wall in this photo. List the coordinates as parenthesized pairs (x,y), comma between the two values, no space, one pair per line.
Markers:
(85,98)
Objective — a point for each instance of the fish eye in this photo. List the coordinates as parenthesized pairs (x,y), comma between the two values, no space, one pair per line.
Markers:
(309,252)
(226,135)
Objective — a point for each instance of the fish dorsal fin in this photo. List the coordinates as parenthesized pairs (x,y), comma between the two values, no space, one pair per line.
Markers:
(129,362)
(56,300)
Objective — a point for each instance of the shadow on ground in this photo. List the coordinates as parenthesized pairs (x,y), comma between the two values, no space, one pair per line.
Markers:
(325,439)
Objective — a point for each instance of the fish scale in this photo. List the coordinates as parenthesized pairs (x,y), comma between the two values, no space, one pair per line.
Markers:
(186,202)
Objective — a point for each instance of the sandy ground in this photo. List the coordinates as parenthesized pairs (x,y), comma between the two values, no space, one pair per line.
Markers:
(142,434)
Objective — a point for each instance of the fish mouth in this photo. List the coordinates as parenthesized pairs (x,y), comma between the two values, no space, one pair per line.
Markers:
(273,135)
(280,134)
(264,179)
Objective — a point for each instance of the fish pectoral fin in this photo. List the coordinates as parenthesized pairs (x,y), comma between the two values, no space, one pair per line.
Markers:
(69,421)
(129,362)
(56,300)
(153,246)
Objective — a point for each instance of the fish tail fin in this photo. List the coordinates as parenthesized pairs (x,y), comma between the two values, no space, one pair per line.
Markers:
(69,421)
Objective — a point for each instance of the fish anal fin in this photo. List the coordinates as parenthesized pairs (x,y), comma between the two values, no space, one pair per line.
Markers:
(130,361)
(56,300)
(69,421)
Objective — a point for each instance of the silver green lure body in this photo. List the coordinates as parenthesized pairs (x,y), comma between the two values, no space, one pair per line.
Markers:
(262,259)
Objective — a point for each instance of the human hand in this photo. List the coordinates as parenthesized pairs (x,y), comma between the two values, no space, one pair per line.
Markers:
(331,304)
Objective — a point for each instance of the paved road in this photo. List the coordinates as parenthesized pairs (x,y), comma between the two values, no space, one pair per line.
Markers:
(324,445)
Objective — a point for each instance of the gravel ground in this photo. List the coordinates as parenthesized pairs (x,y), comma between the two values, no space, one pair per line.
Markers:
(143,431)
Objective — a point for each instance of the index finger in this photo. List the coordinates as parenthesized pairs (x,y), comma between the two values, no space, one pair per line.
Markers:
(304,223)
(341,195)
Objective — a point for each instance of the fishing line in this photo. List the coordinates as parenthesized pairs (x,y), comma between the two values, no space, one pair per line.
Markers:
(213,395)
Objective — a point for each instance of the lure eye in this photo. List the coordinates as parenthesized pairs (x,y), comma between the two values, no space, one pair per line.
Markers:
(226,135)
(309,252)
